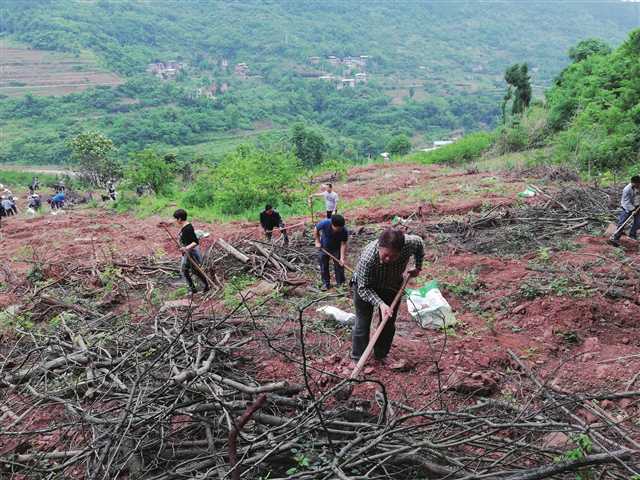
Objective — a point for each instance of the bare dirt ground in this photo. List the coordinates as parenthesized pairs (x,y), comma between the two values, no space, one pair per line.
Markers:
(560,309)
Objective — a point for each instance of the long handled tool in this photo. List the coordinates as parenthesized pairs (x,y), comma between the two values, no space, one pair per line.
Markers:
(347,267)
(627,221)
(383,322)
(194,264)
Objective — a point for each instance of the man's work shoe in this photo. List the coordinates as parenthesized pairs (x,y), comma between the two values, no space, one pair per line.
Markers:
(613,242)
(324,288)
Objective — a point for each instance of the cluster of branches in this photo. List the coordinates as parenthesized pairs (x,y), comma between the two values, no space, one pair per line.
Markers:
(505,229)
(95,396)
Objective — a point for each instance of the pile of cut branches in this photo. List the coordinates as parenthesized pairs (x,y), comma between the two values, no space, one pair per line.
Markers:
(515,230)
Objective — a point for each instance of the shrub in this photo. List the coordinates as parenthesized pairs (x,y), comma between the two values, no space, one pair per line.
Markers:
(147,168)
(245,179)
(467,148)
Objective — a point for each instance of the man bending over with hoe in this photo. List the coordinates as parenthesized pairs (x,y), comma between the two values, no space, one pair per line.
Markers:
(331,238)
(378,278)
(191,256)
(629,203)
(270,219)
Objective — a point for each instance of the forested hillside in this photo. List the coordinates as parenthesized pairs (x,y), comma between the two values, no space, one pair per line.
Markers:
(427,68)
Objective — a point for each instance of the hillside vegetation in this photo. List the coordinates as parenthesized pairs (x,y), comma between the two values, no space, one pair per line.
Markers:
(432,68)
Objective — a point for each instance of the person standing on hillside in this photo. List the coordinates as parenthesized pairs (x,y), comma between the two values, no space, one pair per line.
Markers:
(190,251)
(271,219)
(629,203)
(377,279)
(330,199)
(331,237)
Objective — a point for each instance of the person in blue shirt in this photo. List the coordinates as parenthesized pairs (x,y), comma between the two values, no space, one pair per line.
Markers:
(331,236)
(57,201)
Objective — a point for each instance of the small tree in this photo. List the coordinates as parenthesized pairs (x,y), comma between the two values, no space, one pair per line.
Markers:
(93,154)
(147,168)
(399,145)
(517,77)
(309,145)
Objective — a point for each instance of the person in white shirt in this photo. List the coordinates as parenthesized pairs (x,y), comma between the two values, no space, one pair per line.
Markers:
(628,204)
(330,199)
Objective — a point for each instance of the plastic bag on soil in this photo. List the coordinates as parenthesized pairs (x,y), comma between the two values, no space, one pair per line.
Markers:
(201,234)
(340,316)
(528,192)
(429,308)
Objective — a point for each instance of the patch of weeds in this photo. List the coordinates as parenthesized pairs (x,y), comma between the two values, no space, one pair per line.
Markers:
(35,274)
(569,336)
(490,321)
(108,277)
(567,246)
(544,255)
(468,286)
(302,463)
(531,289)
(563,286)
(177,293)
(25,252)
(584,446)
(234,286)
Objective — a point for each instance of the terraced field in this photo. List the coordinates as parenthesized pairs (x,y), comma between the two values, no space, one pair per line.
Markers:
(39,72)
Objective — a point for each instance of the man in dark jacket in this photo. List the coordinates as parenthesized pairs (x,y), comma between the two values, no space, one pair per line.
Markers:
(190,248)
(269,220)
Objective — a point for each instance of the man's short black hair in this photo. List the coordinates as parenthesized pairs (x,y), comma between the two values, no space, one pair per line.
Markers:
(635,179)
(329,185)
(180,214)
(337,220)
(391,238)
(267,207)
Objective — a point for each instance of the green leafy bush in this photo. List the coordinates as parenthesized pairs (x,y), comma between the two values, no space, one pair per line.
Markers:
(245,179)
(467,148)
(147,168)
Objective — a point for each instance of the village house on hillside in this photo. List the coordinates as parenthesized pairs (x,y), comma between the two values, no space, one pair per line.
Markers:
(165,70)
(241,70)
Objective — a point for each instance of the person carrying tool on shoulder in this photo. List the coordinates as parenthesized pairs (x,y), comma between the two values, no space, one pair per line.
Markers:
(629,203)
(270,219)
(190,251)
(378,278)
(330,199)
(331,238)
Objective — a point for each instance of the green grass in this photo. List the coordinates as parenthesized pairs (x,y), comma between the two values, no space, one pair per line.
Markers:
(16,178)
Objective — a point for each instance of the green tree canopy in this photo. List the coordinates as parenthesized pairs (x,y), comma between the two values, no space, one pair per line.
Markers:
(147,168)
(93,155)
(586,48)
(309,144)
(517,77)
(399,145)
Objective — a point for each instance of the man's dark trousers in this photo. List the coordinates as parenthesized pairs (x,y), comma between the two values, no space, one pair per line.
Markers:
(323,259)
(635,224)
(364,314)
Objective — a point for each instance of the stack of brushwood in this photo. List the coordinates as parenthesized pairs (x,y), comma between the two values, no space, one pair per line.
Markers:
(86,393)
(516,230)
(105,399)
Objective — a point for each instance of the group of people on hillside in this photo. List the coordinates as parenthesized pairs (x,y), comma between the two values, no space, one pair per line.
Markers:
(376,280)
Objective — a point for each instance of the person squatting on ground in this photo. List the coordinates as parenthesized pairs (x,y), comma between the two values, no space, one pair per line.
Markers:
(57,201)
(8,207)
(34,202)
(377,279)
(270,219)
(331,235)
(190,250)
(330,200)
(629,202)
